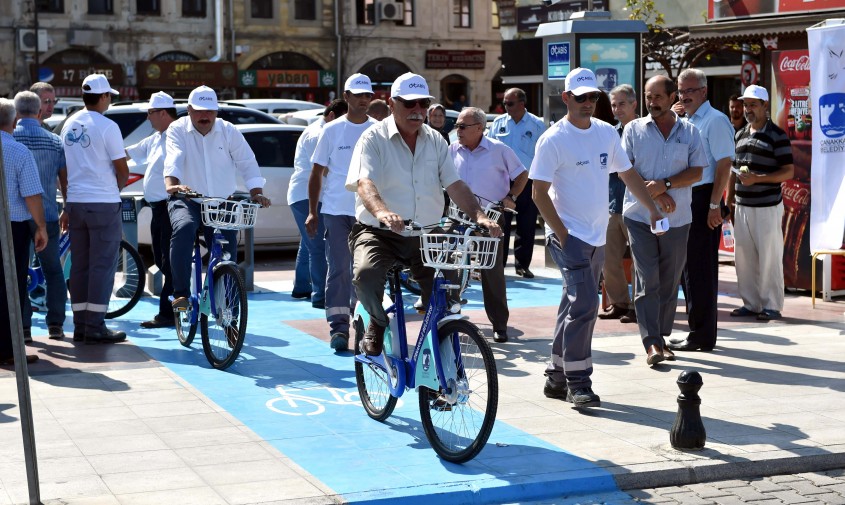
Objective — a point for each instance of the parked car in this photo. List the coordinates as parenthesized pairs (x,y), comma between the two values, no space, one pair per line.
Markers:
(302,117)
(276,106)
(274,146)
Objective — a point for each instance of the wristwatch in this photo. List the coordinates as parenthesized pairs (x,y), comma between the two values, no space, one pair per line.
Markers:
(714,206)
(668,183)
(512,196)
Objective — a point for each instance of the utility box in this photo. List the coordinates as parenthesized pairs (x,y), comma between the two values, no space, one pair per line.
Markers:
(612,49)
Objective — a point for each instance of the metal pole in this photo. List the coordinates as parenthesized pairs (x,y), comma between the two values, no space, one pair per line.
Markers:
(18,349)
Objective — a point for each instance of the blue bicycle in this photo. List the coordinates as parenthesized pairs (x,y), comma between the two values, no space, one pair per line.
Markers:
(451,365)
(220,306)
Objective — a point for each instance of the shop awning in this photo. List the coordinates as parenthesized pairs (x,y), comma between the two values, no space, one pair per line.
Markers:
(126,92)
(740,30)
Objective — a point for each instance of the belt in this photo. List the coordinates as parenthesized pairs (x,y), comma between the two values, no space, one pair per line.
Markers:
(157,204)
(702,187)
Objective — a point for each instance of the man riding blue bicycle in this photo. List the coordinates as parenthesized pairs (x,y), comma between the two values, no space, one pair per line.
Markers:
(398,171)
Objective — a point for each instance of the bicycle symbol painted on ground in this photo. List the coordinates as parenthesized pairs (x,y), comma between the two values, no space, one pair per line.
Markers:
(311,401)
(83,138)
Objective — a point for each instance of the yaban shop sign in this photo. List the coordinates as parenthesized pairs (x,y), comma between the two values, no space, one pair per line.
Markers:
(286,79)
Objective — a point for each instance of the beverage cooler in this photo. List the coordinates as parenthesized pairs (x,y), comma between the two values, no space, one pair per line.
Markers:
(791,111)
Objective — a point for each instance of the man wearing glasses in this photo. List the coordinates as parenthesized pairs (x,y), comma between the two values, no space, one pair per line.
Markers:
(494,173)
(332,156)
(668,154)
(48,98)
(571,176)
(161,113)
(398,171)
(519,130)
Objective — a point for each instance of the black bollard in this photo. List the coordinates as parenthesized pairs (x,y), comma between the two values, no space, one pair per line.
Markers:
(688,431)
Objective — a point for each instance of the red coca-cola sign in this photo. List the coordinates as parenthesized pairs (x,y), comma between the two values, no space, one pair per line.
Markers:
(795,194)
(799,64)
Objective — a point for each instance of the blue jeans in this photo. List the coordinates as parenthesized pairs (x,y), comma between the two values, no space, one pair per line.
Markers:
(311,266)
(186,220)
(51,268)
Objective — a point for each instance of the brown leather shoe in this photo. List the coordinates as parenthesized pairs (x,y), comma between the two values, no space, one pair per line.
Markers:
(655,355)
(629,317)
(373,339)
(668,355)
(615,312)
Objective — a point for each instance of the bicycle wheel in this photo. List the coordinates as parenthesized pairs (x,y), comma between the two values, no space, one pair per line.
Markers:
(372,382)
(458,425)
(186,330)
(223,337)
(129,280)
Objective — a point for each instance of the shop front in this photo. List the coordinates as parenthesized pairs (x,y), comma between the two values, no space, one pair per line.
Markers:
(178,78)
(66,70)
(287,74)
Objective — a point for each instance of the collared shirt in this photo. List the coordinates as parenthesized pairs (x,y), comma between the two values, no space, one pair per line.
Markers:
(151,151)
(488,169)
(577,163)
(521,137)
(765,152)
(46,148)
(302,166)
(411,184)
(209,163)
(21,177)
(717,135)
(656,158)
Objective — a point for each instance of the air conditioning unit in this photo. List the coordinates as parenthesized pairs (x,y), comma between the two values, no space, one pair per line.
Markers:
(26,40)
(391,11)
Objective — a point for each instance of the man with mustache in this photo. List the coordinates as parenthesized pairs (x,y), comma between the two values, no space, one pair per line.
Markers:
(331,156)
(668,154)
(398,171)
(203,153)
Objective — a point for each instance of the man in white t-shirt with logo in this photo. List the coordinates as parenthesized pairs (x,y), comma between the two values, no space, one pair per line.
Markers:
(96,172)
(571,170)
(332,155)
(161,112)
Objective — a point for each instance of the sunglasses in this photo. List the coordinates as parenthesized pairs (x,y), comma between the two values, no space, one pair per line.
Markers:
(462,126)
(53,101)
(410,104)
(150,112)
(508,104)
(593,97)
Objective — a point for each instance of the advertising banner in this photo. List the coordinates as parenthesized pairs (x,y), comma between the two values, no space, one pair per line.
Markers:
(612,60)
(827,72)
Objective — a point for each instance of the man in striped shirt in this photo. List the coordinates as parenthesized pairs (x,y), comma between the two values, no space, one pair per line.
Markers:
(46,148)
(763,161)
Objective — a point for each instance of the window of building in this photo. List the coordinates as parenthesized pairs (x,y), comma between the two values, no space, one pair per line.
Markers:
(149,7)
(193,8)
(494,12)
(461,13)
(408,20)
(56,6)
(261,9)
(100,7)
(305,10)
(365,12)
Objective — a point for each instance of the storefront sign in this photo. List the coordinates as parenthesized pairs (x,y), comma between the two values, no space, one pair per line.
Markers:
(187,74)
(530,17)
(454,59)
(557,58)
(73,75)
(286,79)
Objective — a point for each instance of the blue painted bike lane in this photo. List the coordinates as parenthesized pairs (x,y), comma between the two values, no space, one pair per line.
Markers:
(291,390)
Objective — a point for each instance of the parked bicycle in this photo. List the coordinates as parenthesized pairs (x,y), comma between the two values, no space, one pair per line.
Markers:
(451,365)
(129,278)
(218,302)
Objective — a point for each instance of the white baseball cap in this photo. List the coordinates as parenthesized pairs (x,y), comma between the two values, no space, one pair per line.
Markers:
(203,98)
(160,100)
(755,92)
(97,84)
(580,81)
(410,86)
(358,83)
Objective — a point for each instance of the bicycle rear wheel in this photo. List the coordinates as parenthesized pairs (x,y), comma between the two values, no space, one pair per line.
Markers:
(458,425)
(129,281)
(223,335)
(372,381)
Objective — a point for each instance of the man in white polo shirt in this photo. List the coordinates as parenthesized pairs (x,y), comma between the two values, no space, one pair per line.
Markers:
(96,172)
(161,113)
(332,155)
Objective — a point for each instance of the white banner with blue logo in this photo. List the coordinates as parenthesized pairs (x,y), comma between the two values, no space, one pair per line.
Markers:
(827,78)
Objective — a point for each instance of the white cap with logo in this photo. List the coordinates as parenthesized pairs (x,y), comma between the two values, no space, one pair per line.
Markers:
(580,80)
(755,92)
(203,98)
(160,100)
(358,83)
(97,84)
(410,86)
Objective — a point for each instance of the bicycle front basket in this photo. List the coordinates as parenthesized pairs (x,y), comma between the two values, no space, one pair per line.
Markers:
(459,216)
(454,252)
(228,214)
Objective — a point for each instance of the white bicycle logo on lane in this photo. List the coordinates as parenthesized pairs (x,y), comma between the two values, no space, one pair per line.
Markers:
(312,401)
